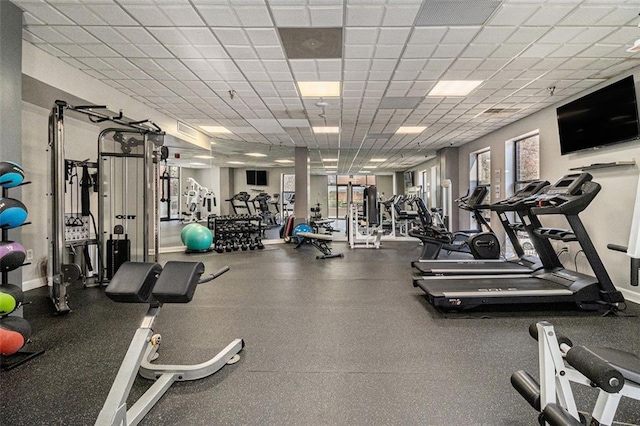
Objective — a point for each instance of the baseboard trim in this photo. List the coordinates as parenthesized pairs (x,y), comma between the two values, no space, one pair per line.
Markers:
(33,284)
(630,296)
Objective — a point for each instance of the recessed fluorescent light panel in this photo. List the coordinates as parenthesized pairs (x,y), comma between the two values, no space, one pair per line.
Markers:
(329,159)
(361,172)
(215,129)
(284,161)
(454,87)
(369,167)
(326,129)
(319,89)
(330,167)
(235,162)
(411,129)
(255,154)
(203,156)
(378,160)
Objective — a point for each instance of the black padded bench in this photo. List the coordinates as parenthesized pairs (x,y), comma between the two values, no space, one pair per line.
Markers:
(319,241)
(137,282)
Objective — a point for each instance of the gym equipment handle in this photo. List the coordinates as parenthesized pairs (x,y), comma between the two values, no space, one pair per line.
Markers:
(527,387)
(555,415)
(533,332)
(596,369)
(213,276)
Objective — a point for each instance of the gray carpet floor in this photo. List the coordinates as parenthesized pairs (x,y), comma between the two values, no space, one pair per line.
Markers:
(328,342)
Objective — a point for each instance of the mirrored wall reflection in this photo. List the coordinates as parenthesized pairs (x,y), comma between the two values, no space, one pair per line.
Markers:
(197,185)
(184,184)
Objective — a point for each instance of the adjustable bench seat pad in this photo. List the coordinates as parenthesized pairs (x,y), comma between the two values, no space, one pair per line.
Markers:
(133,282)
(178,282)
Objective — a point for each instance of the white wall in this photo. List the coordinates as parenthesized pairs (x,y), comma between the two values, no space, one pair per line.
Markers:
(608,218)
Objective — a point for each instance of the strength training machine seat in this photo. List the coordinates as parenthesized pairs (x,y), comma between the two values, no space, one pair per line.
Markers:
(614,372)
(150,283)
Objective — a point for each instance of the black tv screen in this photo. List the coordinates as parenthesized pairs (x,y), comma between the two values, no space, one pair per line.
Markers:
(606,116)
(408,179)
(257,177)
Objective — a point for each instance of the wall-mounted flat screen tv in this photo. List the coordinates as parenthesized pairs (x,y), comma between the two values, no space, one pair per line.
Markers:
(408,179)
(257,177)
(606,116)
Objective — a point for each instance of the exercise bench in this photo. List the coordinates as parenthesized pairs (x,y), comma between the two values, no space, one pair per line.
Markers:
(138,282)
(319,241)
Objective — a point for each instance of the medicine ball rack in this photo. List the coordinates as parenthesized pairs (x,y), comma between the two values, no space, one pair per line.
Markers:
(128,156)
(12,361)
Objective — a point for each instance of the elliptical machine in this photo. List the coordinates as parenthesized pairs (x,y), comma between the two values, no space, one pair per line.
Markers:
(435,237)
(482,242)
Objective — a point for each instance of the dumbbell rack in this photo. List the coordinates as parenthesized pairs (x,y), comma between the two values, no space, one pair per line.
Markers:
(12,361)
(219,226)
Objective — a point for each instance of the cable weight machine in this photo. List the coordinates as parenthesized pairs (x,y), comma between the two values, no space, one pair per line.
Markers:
(127,175)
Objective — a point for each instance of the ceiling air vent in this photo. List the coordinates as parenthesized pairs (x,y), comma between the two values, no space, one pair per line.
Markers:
(187,130)
(500,112)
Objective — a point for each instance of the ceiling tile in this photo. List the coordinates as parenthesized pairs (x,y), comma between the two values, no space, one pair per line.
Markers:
(399,15)
(112,14)
(494,35)
(419,51)
(136,35)
(50,35)
(548,15)
(46,13)
(253,16)
(326,16)
(560,35)
(586,15)
(149,15)
(365,16)
(183,16)
(218,16)
(512,14)
(291,16)
(202,36)
(359,51)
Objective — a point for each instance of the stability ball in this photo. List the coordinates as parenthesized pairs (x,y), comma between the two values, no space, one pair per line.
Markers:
(183,233)
(303,227)
(12,213)
(11,174)
(14,334)
(12,255)
(198,238)
(11,296)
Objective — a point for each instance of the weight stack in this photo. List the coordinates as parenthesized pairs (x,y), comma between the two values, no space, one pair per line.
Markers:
(118,252)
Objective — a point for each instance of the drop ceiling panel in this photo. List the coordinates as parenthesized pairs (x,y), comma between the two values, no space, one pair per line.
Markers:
(184,56)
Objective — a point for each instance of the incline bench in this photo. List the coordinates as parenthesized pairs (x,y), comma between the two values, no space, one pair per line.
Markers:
(319,241)
(150,283)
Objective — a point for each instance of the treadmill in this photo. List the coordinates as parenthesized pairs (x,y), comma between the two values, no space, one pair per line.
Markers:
(553,285)
(522,264)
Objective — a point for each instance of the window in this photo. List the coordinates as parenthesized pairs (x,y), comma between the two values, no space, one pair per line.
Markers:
(484,168)
(526,166)
(337,186)
(527,160)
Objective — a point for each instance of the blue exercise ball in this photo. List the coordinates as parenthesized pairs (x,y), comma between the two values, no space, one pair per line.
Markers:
(303,227)
(183,233)
(12,213)
(198,238)
(11,174)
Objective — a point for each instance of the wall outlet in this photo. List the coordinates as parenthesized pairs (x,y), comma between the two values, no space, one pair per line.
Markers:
(29,254)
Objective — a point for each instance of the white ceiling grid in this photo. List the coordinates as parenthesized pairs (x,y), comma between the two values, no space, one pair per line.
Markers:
(183,57)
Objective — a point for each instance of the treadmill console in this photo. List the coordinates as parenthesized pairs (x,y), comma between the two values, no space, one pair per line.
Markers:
(568,184)
(512,203)
(477,196)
